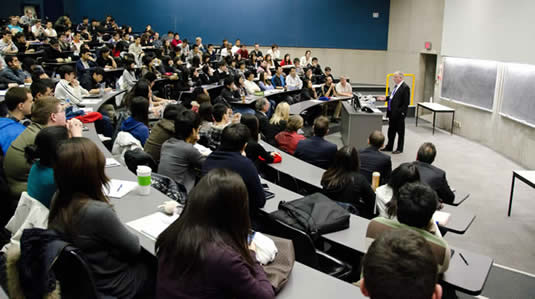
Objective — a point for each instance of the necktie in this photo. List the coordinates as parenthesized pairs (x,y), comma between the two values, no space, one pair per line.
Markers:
(391,96)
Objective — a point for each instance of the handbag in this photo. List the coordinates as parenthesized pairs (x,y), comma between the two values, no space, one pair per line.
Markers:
(314,214)
(278,272)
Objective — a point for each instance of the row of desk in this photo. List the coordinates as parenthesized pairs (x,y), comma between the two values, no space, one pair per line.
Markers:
(467,278)
(304,282)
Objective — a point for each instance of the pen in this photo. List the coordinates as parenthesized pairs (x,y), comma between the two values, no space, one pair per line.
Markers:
(121,185)
(464,260)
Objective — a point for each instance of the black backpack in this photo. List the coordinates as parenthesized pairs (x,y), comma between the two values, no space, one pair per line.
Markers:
(314,214)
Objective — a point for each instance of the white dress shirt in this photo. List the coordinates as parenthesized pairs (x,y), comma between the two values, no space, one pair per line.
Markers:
(294,83)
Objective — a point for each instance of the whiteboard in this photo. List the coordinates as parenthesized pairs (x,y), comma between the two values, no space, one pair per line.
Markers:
(519,92)
(470,81)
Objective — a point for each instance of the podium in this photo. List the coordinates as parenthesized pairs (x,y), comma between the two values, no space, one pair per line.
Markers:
(356,125)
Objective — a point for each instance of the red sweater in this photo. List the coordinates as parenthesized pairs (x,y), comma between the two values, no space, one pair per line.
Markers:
(288,141)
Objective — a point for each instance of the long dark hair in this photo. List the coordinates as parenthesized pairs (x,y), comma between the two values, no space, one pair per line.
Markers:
(216,214)
(139,107)
(346,161)
(141,89)
(251,122)
(79,175)
(45,146)
(403,174)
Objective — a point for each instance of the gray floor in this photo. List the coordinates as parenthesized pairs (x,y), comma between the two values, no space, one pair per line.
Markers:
(487,176)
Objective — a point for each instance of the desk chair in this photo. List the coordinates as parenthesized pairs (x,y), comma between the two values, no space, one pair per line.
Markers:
(305,250)
(74,276)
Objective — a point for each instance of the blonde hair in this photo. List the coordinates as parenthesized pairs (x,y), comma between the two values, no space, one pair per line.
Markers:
(282,112)
(295,122)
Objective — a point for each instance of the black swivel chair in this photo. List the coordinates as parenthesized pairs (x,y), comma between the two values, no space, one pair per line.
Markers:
(305,250)
(74,276)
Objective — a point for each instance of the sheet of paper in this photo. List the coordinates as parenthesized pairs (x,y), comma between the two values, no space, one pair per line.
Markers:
(111,162)
(153,225)
(90,101)
(119,188)
(203,149)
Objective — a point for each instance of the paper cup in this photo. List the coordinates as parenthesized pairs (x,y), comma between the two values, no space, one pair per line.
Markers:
(144,179)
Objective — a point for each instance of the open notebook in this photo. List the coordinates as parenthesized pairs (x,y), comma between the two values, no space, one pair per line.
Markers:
(153,225)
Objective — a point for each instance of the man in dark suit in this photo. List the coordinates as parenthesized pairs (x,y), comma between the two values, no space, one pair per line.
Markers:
(262,107)
(431,175)
(398,103)
(316,150)
(371,159)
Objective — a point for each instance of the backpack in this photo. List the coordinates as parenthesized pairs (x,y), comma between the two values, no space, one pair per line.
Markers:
(314,214)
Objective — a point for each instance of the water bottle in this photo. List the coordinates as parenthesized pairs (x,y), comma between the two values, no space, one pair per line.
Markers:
(101,89)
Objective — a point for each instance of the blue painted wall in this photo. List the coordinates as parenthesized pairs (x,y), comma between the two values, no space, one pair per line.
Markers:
(292,23)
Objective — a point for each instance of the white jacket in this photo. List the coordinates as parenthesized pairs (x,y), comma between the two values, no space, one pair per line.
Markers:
(251,87)
(30,213)
(124,142)
(294,83)
(64,90)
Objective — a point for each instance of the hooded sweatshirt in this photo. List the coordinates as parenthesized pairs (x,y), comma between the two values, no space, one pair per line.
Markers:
(138,129)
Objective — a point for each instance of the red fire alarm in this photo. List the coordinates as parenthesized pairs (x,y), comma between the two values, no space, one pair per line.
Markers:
(428,46)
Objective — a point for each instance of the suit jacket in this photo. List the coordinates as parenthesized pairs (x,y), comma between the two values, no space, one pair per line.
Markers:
(400,102)
(436,179)
(263,122)
(316,151)
(371,159)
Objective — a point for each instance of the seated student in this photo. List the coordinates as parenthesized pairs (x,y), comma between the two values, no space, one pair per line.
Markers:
(239,82)
(263,68)
(242,52)
(42,88)
(85,63)
(298,68)
(236,47)
(310,76)
(110,249)
(229,93)
(342,182)
(22,45)
(278,79)
(400,264)
(241,69)
(316,68)
(373,160)
(54,52)
(42,156)
(105,60)
(254,151)
(180,160)
(207,119)
(262,107)
(222,114)
(286,60)
(46,112)
(416,205)
(269,61)
(227,51)
(50,32)
(217,261)
(13,72)
(277,123)
(221,72)
(327,74)
(288,139)
(230,155)
(129,77)
(150,65)
(306,60)
(7,46)
(274,52)
(18,101)
(343,88)
(162,131)
(264,82)
(308,92)
(316,150)
(153,100)
(328,89)
(432,175)
(386,194)
(93,81)
(137,123)
(293,82)
(250,85)
(68,88)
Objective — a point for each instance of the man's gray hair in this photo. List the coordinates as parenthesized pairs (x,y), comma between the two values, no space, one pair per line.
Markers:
(399,73)
(260,103)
